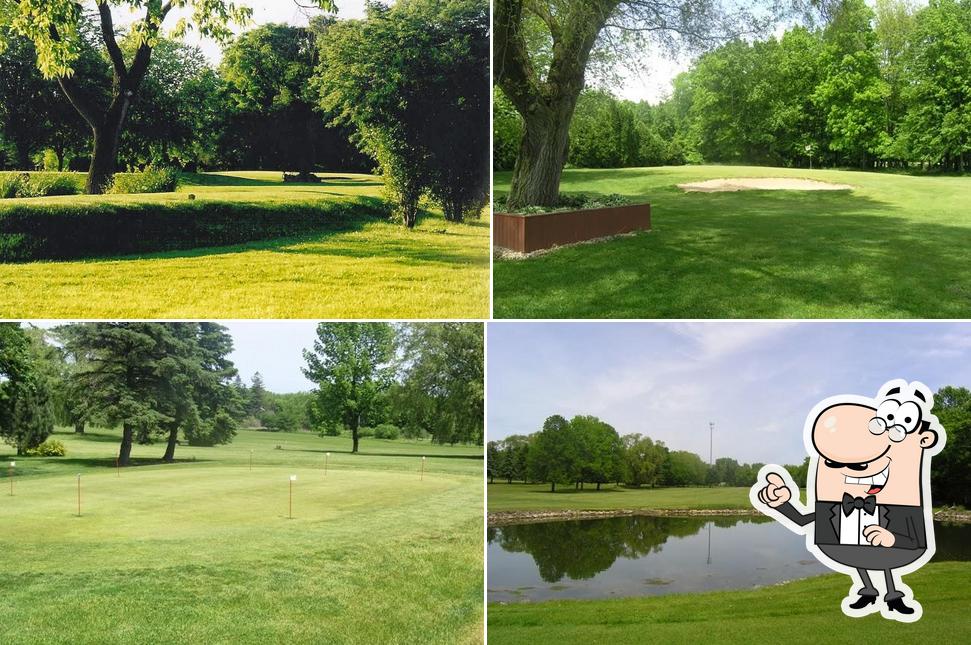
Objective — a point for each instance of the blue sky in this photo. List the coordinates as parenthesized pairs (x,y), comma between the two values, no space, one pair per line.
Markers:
(756,381)
(274,349)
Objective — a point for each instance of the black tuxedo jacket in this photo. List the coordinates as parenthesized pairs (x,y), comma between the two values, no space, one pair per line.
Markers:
(905,522)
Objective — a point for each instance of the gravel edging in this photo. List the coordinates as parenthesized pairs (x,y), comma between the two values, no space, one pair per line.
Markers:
(503,518)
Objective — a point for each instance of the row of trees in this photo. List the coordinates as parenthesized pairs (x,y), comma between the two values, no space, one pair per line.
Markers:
(173,381)
(406,88)
(158,381)
(586,450)
(873,88)
(426,378)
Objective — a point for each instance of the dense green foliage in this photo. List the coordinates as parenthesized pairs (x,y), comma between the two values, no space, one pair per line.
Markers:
(156,380)
(66,230)
(413,380)
(587,450)
(26,412)
(413,79)
(883,88)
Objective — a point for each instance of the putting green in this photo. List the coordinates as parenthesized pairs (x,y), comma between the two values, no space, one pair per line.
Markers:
(206,552)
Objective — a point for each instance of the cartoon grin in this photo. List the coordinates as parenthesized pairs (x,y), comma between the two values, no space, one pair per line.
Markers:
(875,482)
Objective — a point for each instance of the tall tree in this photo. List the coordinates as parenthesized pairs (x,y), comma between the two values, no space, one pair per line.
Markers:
(257,402)
(352,365)
(26,416)
(544,88)
(442,381)
(554,453)
(55,27)
(411,78)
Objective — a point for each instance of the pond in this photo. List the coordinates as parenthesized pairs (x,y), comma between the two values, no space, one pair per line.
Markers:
(645,556)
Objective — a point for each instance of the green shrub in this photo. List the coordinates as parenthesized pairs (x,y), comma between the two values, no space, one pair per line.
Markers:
(365,432)
(9,185)
(66,231)
(40,184)
(150,180)
(50,448)
(387,431)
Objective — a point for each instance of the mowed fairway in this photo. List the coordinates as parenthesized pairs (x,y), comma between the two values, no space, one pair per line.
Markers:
(376,269)
(805,611)
(537,497)
(894,247)
(204,552)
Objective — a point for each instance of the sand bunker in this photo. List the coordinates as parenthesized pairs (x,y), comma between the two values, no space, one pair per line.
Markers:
(764,183)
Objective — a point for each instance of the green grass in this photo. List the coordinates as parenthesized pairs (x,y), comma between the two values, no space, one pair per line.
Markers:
(203,552)
(806,611)
(377,269)
(896,246)
(537,497)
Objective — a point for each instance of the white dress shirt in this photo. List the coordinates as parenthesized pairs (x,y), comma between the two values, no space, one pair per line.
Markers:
(852,525)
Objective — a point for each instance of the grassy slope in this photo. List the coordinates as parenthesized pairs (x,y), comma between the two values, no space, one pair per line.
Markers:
(379,270)
(527,497)
(896,246)
(204,552)
(806,611)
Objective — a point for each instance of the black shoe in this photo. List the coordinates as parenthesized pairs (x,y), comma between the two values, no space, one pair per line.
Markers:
(897,604)
(864,601)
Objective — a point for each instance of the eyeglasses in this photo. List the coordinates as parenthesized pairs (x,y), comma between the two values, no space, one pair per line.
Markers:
(897,433)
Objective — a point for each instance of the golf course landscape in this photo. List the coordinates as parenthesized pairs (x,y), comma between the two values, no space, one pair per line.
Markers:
(894,246)
(202,550)
(342,259)
(650,542)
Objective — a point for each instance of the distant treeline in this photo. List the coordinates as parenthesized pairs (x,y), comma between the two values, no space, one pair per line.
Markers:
(586,450)
(174,382)
(872,88)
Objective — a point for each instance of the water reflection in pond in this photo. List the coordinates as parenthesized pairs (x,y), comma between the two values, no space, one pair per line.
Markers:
(637,556)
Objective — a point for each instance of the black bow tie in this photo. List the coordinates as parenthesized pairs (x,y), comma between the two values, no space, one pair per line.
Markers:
(851,503)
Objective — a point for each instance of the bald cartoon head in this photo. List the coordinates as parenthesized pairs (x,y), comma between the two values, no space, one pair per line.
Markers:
(876,448)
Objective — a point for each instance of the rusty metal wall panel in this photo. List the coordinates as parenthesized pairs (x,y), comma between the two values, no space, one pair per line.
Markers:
(556,229)
(509,231)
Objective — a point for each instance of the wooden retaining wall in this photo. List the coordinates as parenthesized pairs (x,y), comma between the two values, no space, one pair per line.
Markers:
(528,233)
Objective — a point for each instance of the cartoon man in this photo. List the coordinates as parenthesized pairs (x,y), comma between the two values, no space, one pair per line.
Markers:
(868,488)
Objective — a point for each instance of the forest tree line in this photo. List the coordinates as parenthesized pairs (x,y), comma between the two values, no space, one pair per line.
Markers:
(171,383)
(888,87)
(404,90)
(586,450)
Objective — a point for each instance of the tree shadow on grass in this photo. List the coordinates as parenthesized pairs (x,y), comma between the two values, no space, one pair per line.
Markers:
(369,453)
(210,179)
(769,254)
(109,462)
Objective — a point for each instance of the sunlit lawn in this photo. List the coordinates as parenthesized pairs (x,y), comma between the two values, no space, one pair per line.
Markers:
(894,247)
(203,551)
(374,269)
(804,611)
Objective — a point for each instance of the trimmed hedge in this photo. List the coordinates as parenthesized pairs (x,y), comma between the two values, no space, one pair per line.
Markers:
(35,231)
(40,184)
(150,180)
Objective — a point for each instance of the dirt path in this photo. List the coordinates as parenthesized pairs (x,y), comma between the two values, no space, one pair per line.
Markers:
(759,183)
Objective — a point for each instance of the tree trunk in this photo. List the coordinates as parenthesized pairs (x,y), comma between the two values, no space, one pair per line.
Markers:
(124,454)
(598,485)
(542,155)
(552,487)
(355,439)
(79,427)
(104,156)
(23,158)
(169,455)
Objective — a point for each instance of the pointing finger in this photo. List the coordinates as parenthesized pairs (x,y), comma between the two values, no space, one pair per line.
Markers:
(775,479)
